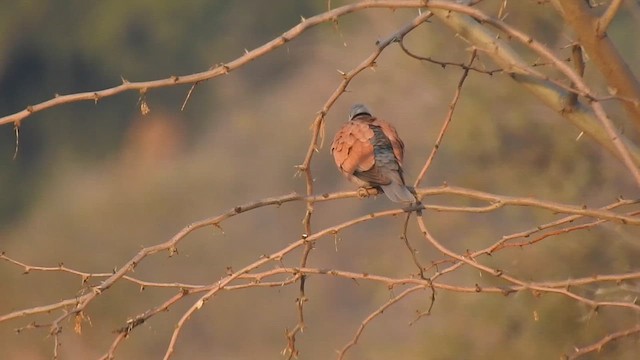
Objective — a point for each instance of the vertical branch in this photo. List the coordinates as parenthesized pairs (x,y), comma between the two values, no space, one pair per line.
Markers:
(591,33)
(447,120)
(413,251)
(436,146)
(316,140)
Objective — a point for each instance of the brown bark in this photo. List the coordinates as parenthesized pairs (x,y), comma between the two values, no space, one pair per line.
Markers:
(591,34)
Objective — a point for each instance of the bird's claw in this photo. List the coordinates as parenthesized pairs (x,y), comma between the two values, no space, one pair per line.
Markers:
(416,206)
(363,193)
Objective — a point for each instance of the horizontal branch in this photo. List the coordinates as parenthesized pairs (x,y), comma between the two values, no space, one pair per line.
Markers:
(596,347)
(76,305)
(171,244)
(503,200)
(519,284)
(217,70)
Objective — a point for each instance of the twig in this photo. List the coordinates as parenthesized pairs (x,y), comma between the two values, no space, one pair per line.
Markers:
(444,64)
(447,119)
(543,51)
(520,283)
(561,231)
(16,130)
(77,305)
(277,255)
(373,315)
(597,346)
(186,99)
(305,167)
(602,24)
(528,201)
(216,70)
(413,251)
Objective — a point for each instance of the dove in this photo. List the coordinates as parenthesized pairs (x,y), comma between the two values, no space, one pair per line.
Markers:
(369,152)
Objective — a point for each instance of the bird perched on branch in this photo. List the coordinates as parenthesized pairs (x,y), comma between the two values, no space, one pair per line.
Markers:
(368,151)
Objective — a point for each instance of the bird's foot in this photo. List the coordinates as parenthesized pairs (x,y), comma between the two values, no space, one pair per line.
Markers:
(416,206)
(363,193)
(366,191)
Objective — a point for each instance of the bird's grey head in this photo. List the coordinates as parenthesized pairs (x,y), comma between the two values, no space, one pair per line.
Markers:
(358,109)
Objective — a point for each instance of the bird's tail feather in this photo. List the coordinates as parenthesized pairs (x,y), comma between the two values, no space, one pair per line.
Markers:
(398,192)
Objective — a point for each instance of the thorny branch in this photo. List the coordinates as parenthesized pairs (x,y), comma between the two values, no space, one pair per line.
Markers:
(447,120)
(305,167)
(77,305)
(597,347)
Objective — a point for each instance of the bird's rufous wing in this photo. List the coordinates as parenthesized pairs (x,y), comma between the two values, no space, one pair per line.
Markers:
(352,149)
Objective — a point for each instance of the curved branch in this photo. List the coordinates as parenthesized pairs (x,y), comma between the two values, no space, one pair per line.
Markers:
(551,94)
(81,302)
(515,281)
(463,21)
(596,347)
(216,70)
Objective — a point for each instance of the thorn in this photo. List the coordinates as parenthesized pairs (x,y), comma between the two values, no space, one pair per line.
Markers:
(184,103)
(16,129)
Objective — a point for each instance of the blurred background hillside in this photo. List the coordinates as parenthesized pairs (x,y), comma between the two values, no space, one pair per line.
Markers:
(93,183)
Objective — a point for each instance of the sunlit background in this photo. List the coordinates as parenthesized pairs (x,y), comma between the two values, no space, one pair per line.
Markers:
(92,183)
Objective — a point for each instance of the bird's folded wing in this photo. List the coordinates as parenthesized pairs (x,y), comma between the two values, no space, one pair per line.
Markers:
(374,176)
(392,135)
(352,149)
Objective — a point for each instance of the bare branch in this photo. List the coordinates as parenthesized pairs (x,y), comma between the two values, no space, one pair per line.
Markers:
(565,92)
(317,131)
(214,71)
(591,33)
(596,347)
(447,120)
(373,315)
(513,280)
(502,54)
(605,19)
(277,255)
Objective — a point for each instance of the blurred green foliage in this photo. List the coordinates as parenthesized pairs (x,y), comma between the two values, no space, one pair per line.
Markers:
(51,47)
